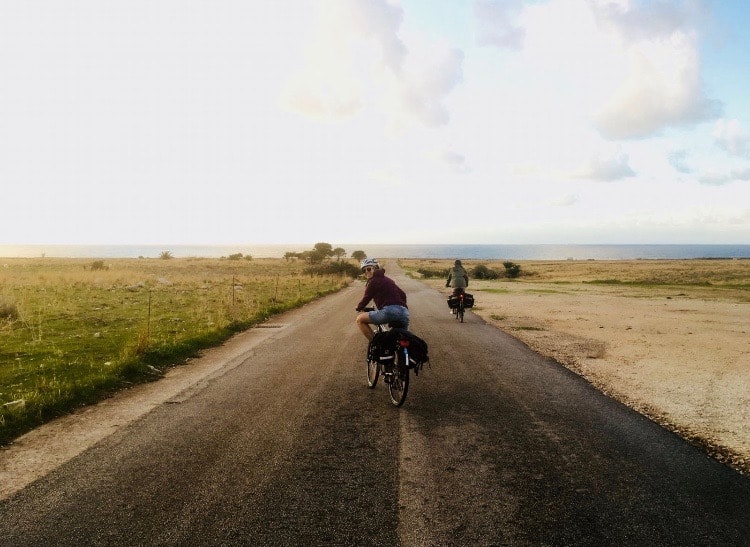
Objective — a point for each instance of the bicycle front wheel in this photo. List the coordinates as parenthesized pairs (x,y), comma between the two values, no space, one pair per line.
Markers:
(399,386)
(373,372)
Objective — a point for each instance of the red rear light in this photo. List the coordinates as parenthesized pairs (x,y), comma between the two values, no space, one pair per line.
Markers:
(403,343)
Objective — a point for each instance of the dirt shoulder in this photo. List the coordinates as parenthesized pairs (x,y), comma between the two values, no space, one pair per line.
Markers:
(659,336)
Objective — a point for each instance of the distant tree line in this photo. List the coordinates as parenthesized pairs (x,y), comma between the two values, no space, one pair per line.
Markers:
(319,259)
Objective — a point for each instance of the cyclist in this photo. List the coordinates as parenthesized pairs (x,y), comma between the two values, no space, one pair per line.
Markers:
(458,279)
(389,299)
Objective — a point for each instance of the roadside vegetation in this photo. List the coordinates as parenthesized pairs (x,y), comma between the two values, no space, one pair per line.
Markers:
(72,331)
(726,275)
(430,269)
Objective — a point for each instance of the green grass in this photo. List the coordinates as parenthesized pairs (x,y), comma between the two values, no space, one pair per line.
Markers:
(80,331)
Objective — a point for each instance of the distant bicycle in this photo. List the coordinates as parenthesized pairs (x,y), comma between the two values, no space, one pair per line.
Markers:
(458,302)
(389,355)
(460,307)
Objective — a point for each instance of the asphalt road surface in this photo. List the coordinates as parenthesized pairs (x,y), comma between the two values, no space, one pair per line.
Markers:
(285,445)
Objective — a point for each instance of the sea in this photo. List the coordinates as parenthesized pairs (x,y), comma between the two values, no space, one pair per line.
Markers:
(430,251)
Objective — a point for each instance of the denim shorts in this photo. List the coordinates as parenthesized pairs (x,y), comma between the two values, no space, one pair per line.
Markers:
(389,314)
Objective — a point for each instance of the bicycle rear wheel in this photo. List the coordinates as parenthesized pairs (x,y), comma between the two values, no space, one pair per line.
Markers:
(399,385)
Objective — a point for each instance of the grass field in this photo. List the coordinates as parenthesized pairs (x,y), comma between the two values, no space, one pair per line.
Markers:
(74,330)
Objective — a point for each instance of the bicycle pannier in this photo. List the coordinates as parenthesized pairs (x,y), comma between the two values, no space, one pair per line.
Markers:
(418,352)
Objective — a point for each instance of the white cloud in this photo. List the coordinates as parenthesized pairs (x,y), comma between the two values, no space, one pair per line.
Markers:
(567,200)
(455,161)
(496,23)
(714,179)
(357,59)
(663,86)
(741,173)
(678,160)
(730,136)
(427,82)
(607,169)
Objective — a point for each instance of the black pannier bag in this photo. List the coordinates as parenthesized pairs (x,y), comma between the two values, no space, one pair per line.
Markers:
(418,352)
(468,301)
(384,344)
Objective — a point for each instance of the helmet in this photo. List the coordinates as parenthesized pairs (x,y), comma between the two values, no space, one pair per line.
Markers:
(369,262)
(457,263)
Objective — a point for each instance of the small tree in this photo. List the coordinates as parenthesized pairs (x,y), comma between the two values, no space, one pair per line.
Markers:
(324,249)
(512,270)
(338,252)
(359,255)
(166,255)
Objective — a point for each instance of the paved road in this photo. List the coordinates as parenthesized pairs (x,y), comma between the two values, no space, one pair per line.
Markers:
(494,446)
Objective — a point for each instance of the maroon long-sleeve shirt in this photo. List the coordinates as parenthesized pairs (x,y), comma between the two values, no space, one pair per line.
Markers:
(383,291)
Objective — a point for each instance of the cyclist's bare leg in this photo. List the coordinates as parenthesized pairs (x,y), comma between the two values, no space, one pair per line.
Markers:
(363,322)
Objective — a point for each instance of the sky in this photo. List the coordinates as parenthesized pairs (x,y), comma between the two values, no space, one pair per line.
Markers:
(374,121)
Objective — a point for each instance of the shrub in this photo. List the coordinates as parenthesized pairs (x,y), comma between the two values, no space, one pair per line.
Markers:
(481,271)
(335,268)
(98,265)
(512,270)
(166,255)
(239,256)
(8,311)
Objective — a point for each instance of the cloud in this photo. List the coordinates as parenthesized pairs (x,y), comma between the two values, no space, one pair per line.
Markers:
(730,136)
(677,159)
(356,58)
(649,20)
(741,174)
(663,86)
(457,162)
(495,23)
(567,200)
(348,38)
(607,169)
(720,179)
(427,83)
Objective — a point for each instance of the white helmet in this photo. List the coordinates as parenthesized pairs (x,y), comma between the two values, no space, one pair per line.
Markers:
(369,262)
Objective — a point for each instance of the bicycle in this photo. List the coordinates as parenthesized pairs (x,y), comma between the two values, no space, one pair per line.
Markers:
(458,306)
(393,362)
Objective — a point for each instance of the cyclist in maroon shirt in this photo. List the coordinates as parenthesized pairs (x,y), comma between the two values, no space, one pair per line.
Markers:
(389,299)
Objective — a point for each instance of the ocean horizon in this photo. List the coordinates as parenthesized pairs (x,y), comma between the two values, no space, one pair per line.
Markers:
(425,251)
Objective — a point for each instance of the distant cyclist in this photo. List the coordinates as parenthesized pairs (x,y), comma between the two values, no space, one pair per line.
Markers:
(457,278)
(389,299)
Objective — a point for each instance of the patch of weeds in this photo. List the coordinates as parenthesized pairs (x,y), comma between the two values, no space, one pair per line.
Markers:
(527,328)
(497,317)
